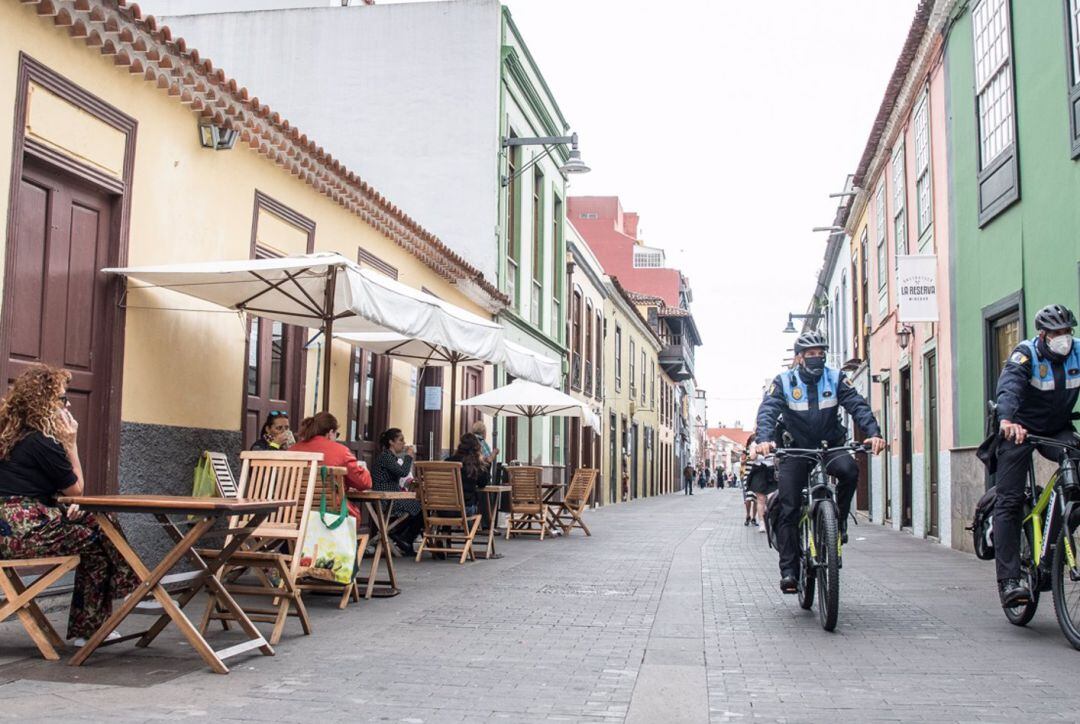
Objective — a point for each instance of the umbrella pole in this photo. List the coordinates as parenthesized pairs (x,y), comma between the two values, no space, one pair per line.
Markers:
(328,337)
(453,402)
(530,439)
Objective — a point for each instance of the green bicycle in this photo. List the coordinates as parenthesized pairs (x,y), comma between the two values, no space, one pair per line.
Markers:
(819,535)
(1050,537)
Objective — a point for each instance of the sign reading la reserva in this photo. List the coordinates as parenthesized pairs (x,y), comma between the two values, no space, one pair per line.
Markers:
(916,280)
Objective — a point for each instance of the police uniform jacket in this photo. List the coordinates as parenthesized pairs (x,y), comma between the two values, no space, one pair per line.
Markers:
(810,409)
(1037,389)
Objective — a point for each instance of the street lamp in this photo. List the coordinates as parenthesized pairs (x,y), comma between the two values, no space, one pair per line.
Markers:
(903,334)
(830,229)
(573,164)
(790,328)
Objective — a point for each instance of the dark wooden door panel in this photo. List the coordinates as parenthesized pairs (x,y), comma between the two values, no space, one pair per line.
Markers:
(56,308)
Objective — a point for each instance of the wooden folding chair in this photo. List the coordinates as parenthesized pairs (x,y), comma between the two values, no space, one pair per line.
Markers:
(527,513)
(19,598)
(223,474)
(442,502)
(567,512)
(334,490)
(274,557)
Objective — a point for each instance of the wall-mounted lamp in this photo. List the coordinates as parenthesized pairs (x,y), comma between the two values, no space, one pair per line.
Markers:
(903,334)
(830,229)
(790,328)
(218,138)
(573,164)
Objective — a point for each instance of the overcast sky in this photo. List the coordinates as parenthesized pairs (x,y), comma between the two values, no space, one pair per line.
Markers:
(725,124)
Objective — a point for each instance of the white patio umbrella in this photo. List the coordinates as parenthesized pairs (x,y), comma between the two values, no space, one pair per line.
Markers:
(520,361)
(522,398)
(328,292)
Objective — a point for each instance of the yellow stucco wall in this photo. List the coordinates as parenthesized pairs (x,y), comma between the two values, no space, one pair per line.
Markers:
(186,368)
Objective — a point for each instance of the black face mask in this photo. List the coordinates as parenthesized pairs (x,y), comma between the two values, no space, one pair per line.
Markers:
(814,366)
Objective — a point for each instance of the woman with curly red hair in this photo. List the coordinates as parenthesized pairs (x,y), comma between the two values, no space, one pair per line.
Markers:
(39,460)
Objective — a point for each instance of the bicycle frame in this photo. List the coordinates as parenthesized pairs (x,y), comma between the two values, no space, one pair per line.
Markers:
(1051,508)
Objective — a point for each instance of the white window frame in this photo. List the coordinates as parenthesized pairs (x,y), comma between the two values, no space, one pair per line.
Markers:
(1074,39)
(899,197)
(991,31)
(924,192)
(882,238)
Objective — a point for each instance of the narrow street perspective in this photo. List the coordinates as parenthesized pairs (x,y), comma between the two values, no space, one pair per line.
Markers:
(669,612)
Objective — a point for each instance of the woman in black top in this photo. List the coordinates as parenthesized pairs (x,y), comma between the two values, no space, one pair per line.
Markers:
(393,463)
(474,471)
(275,433)
(39,460)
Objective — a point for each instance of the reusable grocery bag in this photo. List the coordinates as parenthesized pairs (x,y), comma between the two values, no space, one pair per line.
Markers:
(204,484)
(329,549)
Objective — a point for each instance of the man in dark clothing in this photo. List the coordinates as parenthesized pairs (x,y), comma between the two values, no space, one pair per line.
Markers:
(810,397)
(688,480)
(1036,393)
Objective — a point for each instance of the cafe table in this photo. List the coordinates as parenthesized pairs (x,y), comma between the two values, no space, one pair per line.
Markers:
(549,492)
(492,499)
(200,516)
(373,500)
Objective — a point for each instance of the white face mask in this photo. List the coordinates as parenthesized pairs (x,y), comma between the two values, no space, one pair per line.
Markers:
(1060,345)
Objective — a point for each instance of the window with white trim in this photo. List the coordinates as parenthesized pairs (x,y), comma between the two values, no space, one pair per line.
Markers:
(924,203)
(1072,19)
(1074,39)
(645,258)
(993,78)
(899,195)
(882,252)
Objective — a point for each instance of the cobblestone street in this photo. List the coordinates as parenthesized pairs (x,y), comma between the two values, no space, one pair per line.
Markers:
(669,613)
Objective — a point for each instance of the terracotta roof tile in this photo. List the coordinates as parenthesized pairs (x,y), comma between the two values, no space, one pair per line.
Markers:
(119,28)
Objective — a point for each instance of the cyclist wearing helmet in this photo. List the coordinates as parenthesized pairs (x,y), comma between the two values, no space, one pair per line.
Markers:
(810,397)
(1036,393)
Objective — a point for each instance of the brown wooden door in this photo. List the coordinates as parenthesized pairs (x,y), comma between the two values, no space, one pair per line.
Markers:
(932,440)
(274,373)
(369,402)
(905,448)
(428,440)
(473,386)
(56,307)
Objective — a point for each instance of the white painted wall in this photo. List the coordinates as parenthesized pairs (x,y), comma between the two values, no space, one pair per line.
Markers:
(405,95)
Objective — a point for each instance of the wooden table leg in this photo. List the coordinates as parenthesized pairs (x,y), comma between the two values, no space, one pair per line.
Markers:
(210,580)
(151,583)
(382,548)
(493,523)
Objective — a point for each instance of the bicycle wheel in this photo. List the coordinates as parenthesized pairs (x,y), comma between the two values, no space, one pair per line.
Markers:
(806,568)
(828,565)
(1065,585)
(1022,615)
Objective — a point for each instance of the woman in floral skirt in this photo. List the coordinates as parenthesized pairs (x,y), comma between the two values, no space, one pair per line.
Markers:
(39,460)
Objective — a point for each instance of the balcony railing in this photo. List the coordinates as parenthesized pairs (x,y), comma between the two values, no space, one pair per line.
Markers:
(575,371)
(588,377)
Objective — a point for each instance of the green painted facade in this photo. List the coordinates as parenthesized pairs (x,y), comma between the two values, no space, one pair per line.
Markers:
(1032,247)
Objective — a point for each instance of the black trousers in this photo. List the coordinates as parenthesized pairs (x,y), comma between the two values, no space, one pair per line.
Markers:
(688,486)
(793,474)
(1013,462)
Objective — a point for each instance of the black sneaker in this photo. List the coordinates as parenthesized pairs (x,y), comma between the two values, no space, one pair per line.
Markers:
(1013,592)
(843,531)
(746,522)
(788,584)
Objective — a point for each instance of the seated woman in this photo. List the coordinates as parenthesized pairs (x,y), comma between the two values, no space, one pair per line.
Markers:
(475,473)
(393,463)
(319,433)
(39,460)
(275,433)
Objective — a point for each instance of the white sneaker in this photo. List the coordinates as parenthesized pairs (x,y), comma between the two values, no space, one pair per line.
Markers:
(760,527)
(79,641)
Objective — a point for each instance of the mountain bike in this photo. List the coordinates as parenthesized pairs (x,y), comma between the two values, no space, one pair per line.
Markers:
(1050,534)
(819,535)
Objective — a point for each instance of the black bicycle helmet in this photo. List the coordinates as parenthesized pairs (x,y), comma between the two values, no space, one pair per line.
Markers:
(1054,317)
(810,340)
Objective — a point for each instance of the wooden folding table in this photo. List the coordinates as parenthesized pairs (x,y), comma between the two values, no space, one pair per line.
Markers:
(201,514)
(373,500)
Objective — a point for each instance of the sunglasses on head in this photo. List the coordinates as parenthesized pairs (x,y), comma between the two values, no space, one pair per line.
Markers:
(278,413)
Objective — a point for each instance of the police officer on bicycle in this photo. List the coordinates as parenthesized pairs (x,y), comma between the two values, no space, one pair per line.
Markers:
(810,397)
(1036,394)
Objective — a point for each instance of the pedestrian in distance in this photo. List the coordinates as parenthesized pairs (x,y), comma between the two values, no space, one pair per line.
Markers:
(688,480)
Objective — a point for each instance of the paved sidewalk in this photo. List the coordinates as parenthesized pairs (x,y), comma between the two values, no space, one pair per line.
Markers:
(669,613)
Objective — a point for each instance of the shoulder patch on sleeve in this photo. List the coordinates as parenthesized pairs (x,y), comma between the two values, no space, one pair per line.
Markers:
(772,390)
(1018,357)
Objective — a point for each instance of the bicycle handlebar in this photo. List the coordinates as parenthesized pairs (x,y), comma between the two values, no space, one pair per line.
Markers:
(854,447)
(1040,440)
